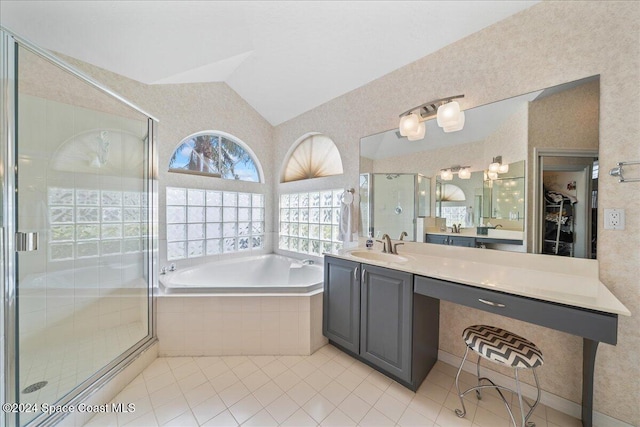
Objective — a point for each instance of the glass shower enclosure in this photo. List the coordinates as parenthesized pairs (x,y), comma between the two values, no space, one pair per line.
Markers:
(78,230)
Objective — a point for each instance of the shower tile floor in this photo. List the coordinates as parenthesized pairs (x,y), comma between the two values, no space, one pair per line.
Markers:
(328,388)
(64,364)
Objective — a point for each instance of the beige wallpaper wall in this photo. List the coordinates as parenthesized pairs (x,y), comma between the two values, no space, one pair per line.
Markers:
(548,44)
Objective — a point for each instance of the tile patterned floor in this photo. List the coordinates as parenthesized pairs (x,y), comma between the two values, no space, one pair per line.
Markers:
(328,388)
(65,363)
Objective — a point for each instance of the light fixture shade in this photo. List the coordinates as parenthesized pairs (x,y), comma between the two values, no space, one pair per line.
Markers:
(446,175)
(494,167)
(448,114)
(419,134)
(492,175)
(504,168)
(464,173)
(409,124)
(457,126)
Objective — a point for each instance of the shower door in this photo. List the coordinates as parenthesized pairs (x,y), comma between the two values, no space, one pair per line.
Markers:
(394,204)
(83,226)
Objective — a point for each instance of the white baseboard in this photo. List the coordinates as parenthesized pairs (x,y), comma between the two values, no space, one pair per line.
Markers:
(549,399)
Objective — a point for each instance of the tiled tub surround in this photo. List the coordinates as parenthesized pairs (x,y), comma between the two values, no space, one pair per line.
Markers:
(200,325)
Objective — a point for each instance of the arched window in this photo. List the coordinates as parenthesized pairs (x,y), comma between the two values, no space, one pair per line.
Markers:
(314,156)
(216,154)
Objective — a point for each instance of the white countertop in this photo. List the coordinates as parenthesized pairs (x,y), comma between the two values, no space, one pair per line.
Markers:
(569,281)
(471,232)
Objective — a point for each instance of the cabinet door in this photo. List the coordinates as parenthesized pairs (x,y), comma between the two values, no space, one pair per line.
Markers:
(438,239)
(462,241)
(385,325)
(341,303)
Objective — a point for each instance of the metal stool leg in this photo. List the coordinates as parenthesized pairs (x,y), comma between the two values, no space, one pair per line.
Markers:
(463,412)
(522,400)
(478,390)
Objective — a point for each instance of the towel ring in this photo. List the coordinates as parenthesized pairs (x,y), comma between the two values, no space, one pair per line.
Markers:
(347,196)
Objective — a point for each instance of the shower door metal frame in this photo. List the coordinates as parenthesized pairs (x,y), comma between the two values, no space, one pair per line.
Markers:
(9,43)
(7,97)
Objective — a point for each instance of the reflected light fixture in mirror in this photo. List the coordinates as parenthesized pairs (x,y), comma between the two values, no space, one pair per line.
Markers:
(497,166)
(447,111)
(464,172)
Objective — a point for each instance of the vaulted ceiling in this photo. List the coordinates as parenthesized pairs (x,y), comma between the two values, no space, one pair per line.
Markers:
(282,57)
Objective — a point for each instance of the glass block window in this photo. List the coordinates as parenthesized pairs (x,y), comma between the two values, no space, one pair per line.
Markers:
(209,222)
(215,154)
(309,222)
(455,215)
(87,223)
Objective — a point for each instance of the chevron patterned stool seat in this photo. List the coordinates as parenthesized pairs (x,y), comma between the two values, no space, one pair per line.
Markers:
(505,348)
(502,346)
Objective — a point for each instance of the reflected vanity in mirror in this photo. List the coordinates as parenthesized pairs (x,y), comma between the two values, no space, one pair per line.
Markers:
(502,210)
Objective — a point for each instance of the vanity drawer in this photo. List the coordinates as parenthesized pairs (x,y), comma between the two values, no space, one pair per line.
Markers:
(590,324)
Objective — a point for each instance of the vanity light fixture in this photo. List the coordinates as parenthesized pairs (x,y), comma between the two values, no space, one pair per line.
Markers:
(446,174)
(450,118)
(464,172)
(497,167)
(447,111)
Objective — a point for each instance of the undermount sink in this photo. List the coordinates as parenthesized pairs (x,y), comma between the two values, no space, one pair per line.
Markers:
(379,256)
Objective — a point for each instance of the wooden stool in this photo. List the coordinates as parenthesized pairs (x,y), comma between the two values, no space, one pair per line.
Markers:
(507,349)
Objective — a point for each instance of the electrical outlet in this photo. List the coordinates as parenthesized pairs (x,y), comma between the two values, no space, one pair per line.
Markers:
(614,219)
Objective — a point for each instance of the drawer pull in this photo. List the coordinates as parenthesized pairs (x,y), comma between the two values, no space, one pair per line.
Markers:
(491,303)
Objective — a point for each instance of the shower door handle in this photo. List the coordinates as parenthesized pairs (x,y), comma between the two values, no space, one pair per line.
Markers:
(27,242)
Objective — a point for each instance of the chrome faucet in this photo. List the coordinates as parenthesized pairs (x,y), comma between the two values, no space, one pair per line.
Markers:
(394,250)
(386,244)
(403,235)
(307,262)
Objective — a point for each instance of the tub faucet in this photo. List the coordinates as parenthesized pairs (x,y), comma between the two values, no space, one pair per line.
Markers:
(307,262)
(172,267)
(403,235)
(386,244)
(163,270)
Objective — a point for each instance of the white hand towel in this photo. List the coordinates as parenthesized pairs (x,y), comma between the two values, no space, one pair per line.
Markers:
(348,225)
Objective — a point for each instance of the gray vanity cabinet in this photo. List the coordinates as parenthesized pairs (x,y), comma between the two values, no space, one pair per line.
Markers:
(386,319)
(341,303)
(372,313)
(442,239)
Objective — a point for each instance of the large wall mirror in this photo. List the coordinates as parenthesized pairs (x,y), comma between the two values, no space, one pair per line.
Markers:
(546,140)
